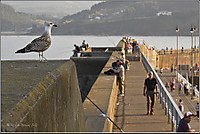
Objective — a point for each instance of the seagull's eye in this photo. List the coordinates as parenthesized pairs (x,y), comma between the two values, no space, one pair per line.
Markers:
(51,23)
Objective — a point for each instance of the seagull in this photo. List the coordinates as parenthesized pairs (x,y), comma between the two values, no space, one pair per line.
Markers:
(41,43)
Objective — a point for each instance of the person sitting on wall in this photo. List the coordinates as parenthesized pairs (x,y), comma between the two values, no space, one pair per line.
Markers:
(84,45)
(114,66)
(76,50)
(122,58)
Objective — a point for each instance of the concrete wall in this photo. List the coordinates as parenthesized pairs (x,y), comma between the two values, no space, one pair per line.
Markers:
(151,55)
(104,94)
(53,106)
(106,48)
(167,59)
(185,58)
(88,69)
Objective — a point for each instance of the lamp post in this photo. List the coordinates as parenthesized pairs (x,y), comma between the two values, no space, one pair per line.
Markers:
(192,31)
(195,45)
(199,62)
(177,30)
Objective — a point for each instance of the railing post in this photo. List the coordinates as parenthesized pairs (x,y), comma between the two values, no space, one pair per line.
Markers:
(177,121)
(163,101)
(166,105)
(172,117)
(169,111)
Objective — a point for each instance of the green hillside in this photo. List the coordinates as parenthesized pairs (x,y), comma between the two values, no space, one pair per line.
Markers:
(12,21)
(113,18)
(132,18)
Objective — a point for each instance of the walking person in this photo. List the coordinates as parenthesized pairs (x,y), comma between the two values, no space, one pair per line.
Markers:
(167,86)
(120,70)
(180,87)
(156,69)
(150,84)
(172,84)
(180,105)
(172,68)
(186,88)
(161,70)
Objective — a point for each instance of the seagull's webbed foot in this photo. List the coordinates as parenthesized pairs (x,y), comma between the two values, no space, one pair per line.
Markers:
(43,58)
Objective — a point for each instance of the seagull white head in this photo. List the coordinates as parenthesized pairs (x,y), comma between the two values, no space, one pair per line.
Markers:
(47,29)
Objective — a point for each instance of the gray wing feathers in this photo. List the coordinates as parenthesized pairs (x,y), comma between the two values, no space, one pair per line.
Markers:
(39,44)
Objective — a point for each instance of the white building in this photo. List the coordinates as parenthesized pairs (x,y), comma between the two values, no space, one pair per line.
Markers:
(167,13)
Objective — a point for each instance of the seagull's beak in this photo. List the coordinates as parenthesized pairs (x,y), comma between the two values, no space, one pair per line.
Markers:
(55,25)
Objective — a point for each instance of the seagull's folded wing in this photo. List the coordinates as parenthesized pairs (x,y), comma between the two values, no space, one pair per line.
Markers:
(39,44)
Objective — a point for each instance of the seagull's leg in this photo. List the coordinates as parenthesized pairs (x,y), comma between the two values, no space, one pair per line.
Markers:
(39,56)
(43,57)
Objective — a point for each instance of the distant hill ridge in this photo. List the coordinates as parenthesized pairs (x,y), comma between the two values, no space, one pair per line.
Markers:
(12,21)
(129,18)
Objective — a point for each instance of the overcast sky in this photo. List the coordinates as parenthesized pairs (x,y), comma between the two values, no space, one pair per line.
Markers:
(54,8)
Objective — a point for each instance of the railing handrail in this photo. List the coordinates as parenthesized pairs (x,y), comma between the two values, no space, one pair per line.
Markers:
(181,78)
(165,98)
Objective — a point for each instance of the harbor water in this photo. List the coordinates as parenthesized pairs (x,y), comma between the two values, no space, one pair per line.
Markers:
(62,46)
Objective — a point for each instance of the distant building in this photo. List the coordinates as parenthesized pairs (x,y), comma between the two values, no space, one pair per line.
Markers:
(167,13)
(97,18)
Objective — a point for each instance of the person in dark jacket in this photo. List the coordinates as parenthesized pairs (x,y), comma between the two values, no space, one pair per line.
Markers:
(151,84)
(183,125)
(76,50)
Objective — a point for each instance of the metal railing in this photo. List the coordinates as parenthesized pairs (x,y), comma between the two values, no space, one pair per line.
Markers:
(171,108)
(181,78)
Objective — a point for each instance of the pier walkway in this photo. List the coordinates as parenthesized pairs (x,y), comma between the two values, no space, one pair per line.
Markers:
(188,103)
(131,109)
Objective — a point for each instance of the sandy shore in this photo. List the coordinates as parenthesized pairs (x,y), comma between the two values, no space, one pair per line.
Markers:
(18,78)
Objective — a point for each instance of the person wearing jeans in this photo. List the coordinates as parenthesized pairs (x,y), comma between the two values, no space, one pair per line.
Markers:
(150,84)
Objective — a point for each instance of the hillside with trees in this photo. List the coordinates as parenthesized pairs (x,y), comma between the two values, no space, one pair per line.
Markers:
(18,22)
(141,17)
(145,17)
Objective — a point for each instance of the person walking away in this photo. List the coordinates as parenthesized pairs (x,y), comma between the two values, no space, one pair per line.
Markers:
(197,109)
(180,87)
(167,86)
(150,84)
(156,69)
(137,48)
(129,49)
(183,125)
(121,77)
(172,68)
(133,45)
(180,105)
(172,85)
(186,88)
(161,70)
(194,89)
